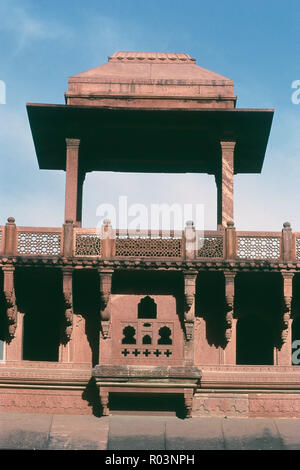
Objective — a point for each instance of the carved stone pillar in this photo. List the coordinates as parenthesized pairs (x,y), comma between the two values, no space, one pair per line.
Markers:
(10,300)
(68,302)
(229,303)
(74,183)
(105,278)
(224,181)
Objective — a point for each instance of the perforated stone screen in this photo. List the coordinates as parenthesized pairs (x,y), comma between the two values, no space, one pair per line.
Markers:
(258,247)
(39,243)
(160,247)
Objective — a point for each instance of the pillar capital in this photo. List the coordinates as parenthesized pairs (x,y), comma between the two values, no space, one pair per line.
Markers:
(228,144)
(72,142)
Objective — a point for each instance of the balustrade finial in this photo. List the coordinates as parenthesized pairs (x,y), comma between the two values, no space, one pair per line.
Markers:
(11,220)
(106,223)
(189,223)
(286,225)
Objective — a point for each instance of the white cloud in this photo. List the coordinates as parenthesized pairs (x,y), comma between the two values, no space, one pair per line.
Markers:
(15,132)
(25,27)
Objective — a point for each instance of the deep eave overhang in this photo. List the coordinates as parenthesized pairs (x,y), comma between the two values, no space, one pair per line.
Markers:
(149,140)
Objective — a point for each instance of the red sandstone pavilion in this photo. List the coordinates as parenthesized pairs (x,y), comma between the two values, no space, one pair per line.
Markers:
(102,322)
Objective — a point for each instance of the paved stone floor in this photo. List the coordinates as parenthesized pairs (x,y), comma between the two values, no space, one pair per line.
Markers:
(57,432)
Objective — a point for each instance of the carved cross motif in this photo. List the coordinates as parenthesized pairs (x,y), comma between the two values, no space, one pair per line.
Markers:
(10,300)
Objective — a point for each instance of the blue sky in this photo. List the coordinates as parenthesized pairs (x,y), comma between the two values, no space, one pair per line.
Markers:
(256,44)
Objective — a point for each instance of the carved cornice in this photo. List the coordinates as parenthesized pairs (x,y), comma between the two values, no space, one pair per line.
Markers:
(154,263)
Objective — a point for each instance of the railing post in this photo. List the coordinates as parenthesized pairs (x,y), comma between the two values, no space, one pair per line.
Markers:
(230,241)
(107,237)
(287,242)
(10,243)
(68,239)
(190,240)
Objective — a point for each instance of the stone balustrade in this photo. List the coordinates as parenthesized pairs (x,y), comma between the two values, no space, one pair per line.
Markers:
(190,244)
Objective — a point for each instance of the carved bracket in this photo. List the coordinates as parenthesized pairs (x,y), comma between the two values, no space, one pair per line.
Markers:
(105,278)
(229,303)
(10,301)
(286,305)
(189,300)
(68,303)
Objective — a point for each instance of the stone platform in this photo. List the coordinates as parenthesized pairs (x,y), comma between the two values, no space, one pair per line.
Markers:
(75,432)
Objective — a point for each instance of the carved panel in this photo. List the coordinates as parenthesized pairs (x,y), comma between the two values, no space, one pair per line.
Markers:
(147,340)
(144,246)
(258,247)
(39,243)
(211,247)
(88,244)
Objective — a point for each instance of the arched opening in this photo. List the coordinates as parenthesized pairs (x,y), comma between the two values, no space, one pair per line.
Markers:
(147,308)
(258,300)
(39,296)
(254,341)
(129,335)
(147,339)
(164,334)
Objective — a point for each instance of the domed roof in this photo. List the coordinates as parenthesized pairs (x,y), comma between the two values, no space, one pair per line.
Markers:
(151,80)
